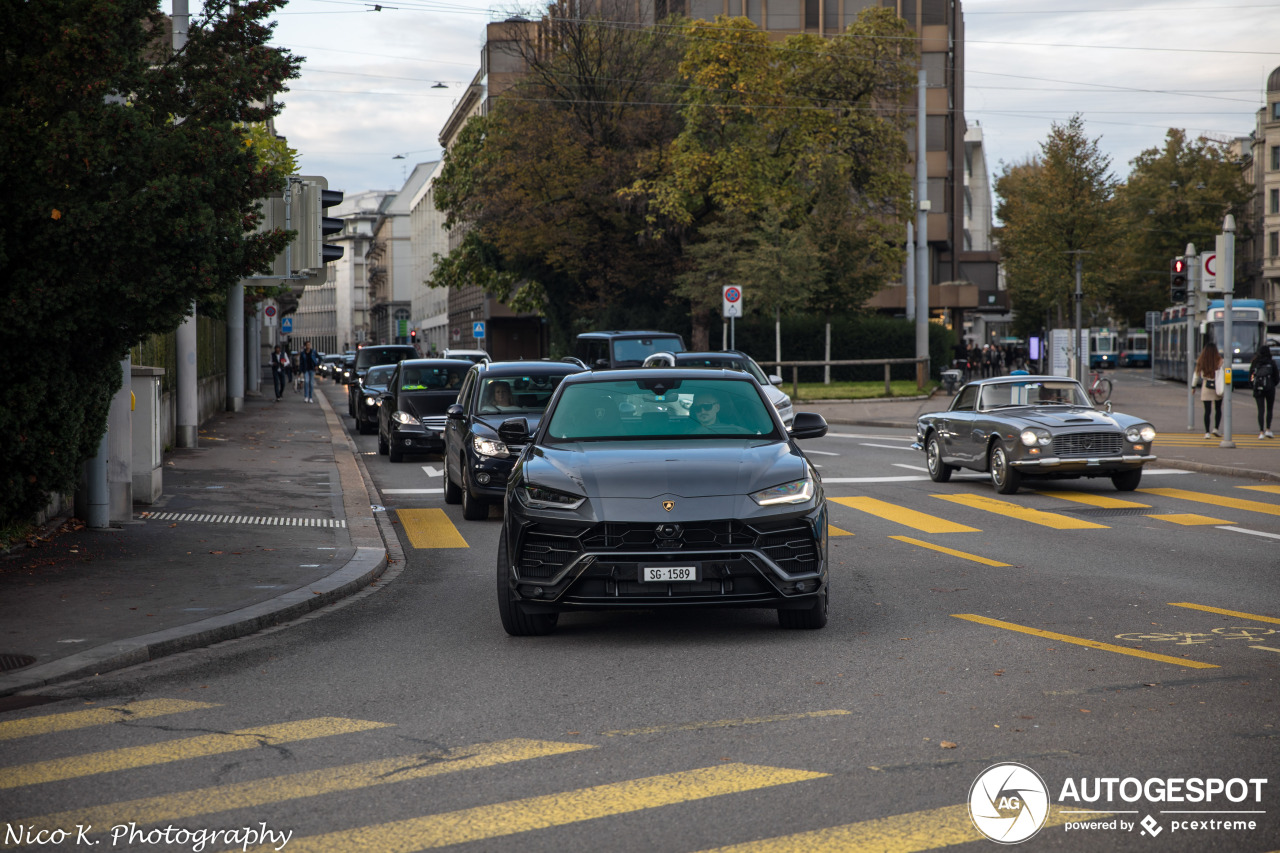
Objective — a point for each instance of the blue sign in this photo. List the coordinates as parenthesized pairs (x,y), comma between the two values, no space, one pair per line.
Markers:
(286,325)
(477,330)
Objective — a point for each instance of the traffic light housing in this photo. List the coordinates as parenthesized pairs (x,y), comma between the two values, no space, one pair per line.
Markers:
(312,197)
(1178,280)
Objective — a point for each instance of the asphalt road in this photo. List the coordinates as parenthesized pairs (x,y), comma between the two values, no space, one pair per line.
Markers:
(1078,631)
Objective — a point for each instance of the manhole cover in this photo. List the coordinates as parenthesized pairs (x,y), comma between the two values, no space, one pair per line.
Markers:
(8,662)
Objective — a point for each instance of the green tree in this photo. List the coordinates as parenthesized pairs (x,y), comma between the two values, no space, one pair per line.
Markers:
(1053,207)
(1174,195)
(134,195)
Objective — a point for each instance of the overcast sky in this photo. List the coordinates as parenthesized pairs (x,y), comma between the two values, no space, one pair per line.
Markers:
(368,90)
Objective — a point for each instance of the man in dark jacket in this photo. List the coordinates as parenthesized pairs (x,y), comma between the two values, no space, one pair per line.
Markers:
(308,361)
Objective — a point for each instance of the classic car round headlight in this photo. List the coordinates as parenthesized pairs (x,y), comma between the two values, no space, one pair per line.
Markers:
(1148,433)
(1032,437)
(1134,434)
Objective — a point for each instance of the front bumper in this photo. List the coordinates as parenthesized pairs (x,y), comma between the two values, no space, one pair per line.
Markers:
(1057,463)
(416,439)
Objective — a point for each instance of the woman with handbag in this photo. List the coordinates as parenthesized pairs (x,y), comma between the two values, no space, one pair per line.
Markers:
(1263,376)
(1209,372)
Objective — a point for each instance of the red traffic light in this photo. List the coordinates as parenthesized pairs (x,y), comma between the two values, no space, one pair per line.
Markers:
(413,333)
(1178,265)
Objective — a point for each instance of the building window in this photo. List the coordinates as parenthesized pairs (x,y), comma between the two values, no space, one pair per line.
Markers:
(1275,111)
(1275,157)
(1275,244)
(1275,202)
(935,69)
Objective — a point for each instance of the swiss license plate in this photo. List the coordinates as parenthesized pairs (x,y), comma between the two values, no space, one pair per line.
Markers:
(668,573)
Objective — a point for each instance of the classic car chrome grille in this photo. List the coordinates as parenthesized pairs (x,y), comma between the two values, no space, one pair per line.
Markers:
(1088,444)
(549,548)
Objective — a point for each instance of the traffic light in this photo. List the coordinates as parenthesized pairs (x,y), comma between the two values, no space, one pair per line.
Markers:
(312,197)
(413,336)
(1178,280)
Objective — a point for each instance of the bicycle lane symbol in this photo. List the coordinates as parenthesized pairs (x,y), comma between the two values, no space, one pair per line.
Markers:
(1250,634)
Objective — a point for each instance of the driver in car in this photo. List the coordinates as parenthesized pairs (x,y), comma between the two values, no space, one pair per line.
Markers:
(706,411)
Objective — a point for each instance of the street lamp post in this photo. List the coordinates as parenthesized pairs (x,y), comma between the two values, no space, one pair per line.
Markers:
(1226,250)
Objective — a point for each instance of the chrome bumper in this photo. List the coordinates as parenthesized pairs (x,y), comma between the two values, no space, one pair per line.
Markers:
(1086,462)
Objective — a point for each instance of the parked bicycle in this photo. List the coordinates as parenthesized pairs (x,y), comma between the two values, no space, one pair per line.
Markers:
(1099,388)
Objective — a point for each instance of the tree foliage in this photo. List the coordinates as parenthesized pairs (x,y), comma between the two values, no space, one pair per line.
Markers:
(1176,194)
(1054,208)
(134,195)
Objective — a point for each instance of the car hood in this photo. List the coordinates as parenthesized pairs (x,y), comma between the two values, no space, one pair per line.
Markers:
(1058,417)
(427,403)
(648,469)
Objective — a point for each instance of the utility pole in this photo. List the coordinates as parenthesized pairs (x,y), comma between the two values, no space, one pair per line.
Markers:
(1226,249)
(1193,302)
(922,232)
(188,414)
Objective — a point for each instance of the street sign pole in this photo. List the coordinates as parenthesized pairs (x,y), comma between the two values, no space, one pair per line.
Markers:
(731,296)
(1226,246)
(1193,299)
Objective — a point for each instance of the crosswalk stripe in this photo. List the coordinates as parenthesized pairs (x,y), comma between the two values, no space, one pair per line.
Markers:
(1081,641)
(260,792)
(1216,500)
(1101,501)
(430,528)
(177,750)
(502,819)
(974,557)
(97,717)
(1236,613)
(923,522)
(1189,519)
(914,832)
(1034,516)
(832,530)
(1275,490)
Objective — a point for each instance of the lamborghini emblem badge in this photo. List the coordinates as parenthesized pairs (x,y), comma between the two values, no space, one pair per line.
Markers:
(668,505)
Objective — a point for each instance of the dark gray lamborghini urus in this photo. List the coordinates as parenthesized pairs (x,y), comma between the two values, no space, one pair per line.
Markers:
(658,488)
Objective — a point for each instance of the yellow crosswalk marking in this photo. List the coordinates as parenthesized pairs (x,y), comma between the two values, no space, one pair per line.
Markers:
(915,832)
(178,750)
(909,517)
(975,558)
(1215,500)
(502,819)
(1188,518)
(1275,490)
(430,528)
(1011,510)
(96,717)
(1236,613)
(1103,501)
(832,530)
(1080,641)
(260,792)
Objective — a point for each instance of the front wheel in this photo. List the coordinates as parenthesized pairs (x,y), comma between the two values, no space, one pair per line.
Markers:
(810,618)
(473,508)
(1127,481)
(1100,391)
(1003,477)
(452,493)
(515,621)
(939,471)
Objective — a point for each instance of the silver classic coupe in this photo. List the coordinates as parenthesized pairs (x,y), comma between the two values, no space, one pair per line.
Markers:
(1022,427)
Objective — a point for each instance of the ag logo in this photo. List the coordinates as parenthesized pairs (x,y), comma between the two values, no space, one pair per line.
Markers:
(1008,803)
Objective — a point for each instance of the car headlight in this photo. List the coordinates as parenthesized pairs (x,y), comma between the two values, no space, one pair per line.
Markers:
(796,492)
(1134,434)
(490,447)
(405,418)
(371,401)
(541,497)
(1032,437)
(784,403)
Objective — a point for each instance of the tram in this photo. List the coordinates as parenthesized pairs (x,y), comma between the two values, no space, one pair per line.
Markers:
(1136,349)
(1104,348)
(1248,332)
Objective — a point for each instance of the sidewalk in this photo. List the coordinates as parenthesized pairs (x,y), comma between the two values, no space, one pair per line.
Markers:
(1164,404)
(268,519)
(271,518)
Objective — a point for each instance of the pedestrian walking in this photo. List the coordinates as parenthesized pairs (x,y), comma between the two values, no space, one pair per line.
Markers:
(279,364)
(1209,374)
(308,361)
(1263,376)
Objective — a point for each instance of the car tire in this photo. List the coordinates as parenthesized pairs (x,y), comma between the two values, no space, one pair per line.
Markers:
(811,617)
(1127,481)
(473,508)
(384,446)
(1003,477)
(939,471)
(452,493)
(515,621)
(395,454)
(363,426)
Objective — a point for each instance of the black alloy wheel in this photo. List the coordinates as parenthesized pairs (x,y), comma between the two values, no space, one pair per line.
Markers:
(515,621)
(809,618)
(452,493)
(473,508)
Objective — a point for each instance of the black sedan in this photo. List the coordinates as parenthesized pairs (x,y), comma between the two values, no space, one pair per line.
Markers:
(658,488)
(369,391)
(1043,427)
(476,461)
(411,418)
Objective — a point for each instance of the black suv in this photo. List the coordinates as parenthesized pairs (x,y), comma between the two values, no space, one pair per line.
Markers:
(610,350)
(476,461)
(367,357)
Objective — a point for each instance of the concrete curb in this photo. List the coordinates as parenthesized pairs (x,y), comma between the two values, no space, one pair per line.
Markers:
(366,565)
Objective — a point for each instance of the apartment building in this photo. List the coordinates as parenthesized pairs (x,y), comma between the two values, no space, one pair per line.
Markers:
(1258,257)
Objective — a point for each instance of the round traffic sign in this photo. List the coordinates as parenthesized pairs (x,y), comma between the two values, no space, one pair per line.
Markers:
(270,311)
(732,294)
(1211,264)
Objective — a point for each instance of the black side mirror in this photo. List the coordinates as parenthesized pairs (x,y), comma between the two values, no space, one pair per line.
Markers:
(808,425)
(516,431)
(455,412)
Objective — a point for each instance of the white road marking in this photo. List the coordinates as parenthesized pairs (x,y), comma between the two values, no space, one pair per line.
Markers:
(860,435)
(412,491)
(820,452)
(889,447)
(433,472)
(1250,532)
